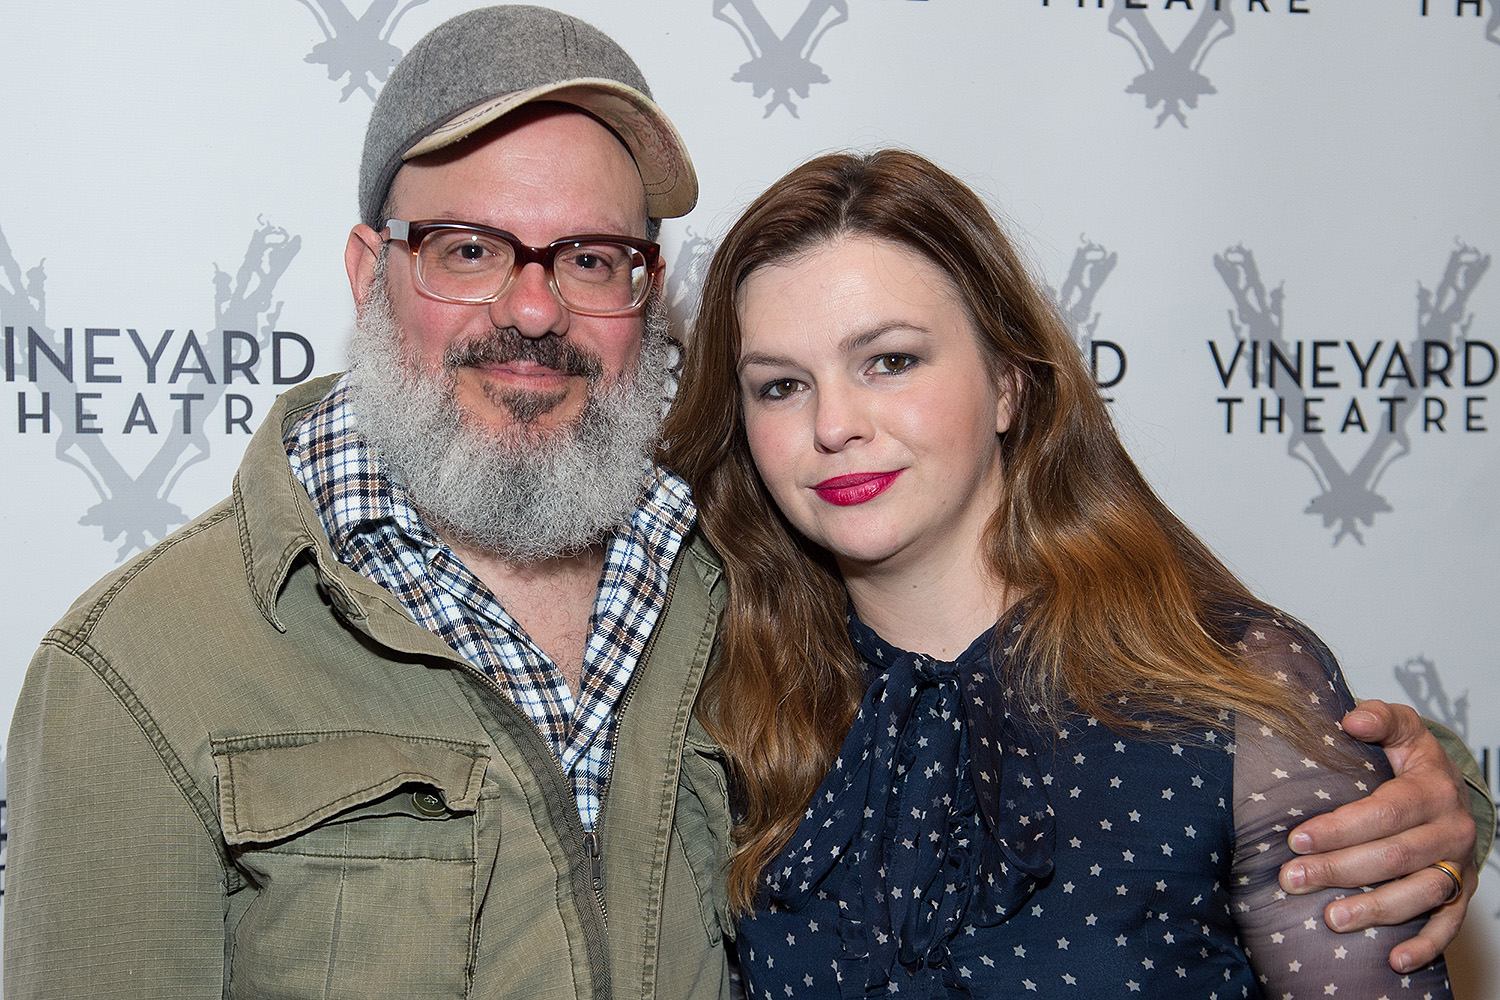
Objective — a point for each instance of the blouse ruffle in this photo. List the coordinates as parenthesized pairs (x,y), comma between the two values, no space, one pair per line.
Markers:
(914,848)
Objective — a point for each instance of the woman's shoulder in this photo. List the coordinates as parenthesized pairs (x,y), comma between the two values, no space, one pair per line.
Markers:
(1285,650)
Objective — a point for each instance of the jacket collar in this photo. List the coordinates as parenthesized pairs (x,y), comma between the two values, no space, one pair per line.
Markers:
(277,522)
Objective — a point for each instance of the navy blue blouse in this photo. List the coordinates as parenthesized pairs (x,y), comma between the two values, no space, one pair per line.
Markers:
(953,850)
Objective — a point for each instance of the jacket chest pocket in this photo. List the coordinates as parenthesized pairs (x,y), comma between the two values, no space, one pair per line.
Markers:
(360,849)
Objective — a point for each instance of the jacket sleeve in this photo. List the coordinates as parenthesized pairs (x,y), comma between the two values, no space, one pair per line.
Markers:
(114,885)
(1481,805)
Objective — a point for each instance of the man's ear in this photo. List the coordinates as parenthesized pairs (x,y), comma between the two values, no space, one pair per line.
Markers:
(360,254)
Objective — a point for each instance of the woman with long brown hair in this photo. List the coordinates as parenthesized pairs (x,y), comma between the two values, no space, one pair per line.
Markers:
(996,719)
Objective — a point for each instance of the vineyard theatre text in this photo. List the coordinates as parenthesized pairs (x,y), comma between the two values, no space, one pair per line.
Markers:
(200,369)
(1430,381)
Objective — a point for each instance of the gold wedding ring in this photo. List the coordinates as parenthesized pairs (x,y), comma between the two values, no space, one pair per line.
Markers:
(1450,870)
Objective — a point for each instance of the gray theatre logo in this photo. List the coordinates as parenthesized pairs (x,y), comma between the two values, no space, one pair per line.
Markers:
(1172,77)
(781,64)
(1091,265)
(135,510)
(357,47)
(686,275)
(684,289)
(1420,679)
(1348,497)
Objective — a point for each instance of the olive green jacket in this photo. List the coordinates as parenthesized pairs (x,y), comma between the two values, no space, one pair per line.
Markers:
(237,768)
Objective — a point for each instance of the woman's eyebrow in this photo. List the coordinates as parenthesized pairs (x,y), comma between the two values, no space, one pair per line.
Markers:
(853,342)
(759,358)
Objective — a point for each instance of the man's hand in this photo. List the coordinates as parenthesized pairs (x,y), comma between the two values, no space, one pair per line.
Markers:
(1419,817)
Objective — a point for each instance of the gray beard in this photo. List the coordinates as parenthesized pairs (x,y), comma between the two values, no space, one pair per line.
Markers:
(524,493)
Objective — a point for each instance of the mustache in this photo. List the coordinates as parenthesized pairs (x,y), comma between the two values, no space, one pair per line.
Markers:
(505,344)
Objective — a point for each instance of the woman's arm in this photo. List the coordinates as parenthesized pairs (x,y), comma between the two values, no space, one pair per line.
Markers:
(1279,786)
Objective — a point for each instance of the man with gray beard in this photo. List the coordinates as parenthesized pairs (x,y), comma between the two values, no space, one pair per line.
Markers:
(410,714)
(350,733)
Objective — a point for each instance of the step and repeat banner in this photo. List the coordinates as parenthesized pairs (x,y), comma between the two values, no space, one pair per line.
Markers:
(1270,224)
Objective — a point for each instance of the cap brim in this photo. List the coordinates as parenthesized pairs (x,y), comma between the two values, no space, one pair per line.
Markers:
(659,152)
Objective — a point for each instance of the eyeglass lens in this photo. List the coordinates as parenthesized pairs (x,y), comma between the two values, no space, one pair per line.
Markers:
(473,267)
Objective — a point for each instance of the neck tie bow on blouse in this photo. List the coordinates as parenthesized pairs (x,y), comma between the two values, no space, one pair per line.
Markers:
(919,829)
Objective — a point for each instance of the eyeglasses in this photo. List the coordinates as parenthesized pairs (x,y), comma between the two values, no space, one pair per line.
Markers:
(592,275)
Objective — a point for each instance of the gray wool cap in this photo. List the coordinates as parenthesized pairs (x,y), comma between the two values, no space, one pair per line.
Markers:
(479,66)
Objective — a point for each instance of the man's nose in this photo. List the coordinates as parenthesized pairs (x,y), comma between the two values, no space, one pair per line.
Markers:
(529,307)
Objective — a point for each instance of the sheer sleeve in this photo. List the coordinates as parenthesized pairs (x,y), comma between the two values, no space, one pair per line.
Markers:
(1276,786)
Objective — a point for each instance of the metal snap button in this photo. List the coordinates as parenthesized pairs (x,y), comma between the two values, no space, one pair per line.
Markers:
(428,803)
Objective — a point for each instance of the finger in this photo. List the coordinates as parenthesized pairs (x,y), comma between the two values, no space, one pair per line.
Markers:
(1393,903)
(1407,853)
(1401,732)
(1435,938)
(1420,799)
(1380,862)
(1376,721)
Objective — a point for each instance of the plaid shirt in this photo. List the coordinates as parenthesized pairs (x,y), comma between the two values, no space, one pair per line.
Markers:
(373,528)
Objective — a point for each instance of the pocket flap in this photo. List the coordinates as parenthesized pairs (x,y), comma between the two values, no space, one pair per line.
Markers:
(272,787)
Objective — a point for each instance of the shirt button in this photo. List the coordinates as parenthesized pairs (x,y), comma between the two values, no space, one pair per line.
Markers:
(428,803)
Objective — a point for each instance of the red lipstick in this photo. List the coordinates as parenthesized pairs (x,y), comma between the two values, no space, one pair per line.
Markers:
(845,491)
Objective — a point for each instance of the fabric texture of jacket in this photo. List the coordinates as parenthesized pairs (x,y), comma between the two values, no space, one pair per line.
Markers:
(237,768)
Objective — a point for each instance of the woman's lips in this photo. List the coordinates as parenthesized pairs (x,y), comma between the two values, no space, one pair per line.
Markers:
(845,491)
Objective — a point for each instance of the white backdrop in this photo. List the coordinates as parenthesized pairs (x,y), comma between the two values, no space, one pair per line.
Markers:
(1314,174)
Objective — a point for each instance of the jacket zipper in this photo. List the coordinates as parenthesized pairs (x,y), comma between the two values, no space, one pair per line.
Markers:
(592,853)
(596,872)
(590,847)
(591,840)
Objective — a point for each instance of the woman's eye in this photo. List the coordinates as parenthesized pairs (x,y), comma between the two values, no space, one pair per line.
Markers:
(779,389)
(891,364)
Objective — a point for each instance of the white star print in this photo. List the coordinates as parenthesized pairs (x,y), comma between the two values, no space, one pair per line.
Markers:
(1257,787)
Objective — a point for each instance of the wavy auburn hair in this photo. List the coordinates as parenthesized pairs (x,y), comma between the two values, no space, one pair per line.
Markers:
(1122,596)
